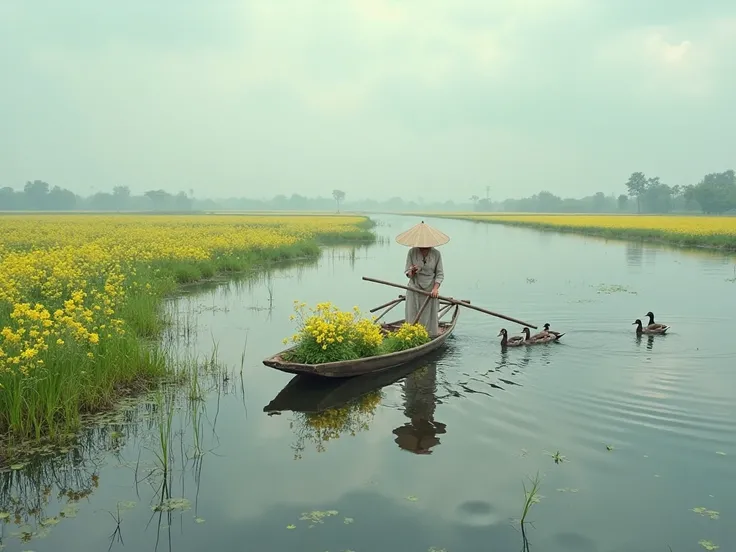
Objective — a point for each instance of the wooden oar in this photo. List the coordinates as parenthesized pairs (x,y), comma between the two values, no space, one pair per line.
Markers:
(390,306)
(379,307)
(450,300)
(424,306)
(445,310)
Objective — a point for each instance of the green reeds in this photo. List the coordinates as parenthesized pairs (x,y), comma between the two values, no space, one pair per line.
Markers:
(531,497)
(165,417)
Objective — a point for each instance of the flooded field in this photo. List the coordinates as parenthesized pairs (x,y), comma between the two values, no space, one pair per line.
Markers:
(607,441)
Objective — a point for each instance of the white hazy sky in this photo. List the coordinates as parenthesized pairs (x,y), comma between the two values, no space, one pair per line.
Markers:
(434,98)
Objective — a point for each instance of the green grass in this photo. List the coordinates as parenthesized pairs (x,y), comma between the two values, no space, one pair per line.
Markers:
(48,403)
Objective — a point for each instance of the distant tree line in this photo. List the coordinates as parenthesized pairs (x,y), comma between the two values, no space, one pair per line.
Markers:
(714,194)
(39,196)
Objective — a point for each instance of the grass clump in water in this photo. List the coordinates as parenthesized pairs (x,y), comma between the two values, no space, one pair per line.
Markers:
(531,497)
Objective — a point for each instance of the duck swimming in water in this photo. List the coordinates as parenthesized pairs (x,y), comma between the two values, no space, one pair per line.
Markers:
(653,326)
(657,329)
(506,341)
(546,332)
(534,340)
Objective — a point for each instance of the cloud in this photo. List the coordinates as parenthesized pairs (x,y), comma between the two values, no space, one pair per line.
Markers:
(655,59)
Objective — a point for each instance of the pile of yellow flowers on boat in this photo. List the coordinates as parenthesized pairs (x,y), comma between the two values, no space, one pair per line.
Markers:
(327,334)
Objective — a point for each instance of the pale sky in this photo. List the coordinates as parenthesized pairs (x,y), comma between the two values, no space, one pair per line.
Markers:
(378,98)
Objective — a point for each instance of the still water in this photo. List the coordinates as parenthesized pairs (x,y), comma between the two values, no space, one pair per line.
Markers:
(634,440)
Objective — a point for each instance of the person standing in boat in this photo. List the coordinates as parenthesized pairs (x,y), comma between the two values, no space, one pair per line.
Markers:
(425,271)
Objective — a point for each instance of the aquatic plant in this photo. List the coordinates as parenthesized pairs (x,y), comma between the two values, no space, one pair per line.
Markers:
(79,292)
(531,497)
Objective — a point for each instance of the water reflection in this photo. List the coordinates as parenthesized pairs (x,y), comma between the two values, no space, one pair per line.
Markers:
(326,409)
(650,341)
(634,253)
(419,435)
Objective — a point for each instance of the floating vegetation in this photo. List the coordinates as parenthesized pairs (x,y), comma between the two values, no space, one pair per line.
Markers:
(567,490)
(708,545)
(291,526)
(50,522)
(609,447)
(171,504)
(317,516)
(69,511)
(712,514)
(720,453)
(348,521)
(126,505)
(557,457)
(613,288)
(411,498)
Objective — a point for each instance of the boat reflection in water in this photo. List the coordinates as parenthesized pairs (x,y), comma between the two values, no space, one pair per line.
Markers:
(419,435)
(327,408)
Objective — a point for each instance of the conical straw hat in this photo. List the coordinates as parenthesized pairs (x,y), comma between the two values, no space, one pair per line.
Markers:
(422,235)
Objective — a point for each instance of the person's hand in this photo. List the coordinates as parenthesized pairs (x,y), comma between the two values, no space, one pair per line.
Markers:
(435,292)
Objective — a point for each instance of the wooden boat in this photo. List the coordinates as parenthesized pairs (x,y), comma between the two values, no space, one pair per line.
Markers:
(373,364)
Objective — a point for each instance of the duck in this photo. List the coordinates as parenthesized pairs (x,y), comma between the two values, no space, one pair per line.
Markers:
(506,341)
(544,339)
(653,326)
(546,332)
(658,329)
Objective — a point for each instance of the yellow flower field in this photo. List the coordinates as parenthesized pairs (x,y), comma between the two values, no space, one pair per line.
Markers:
(78,291)
(707,231)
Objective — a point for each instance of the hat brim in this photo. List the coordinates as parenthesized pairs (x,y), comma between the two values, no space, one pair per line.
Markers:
(422,235)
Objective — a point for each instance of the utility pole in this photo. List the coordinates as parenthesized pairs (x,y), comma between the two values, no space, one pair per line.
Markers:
(488,189)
